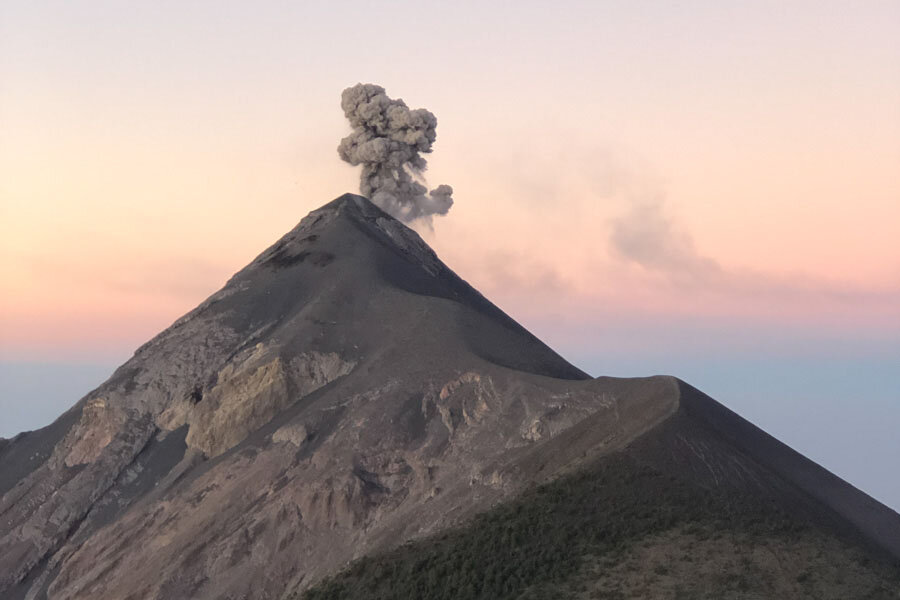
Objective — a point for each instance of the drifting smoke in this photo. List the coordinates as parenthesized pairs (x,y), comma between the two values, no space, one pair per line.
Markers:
(646,236)
(388,140)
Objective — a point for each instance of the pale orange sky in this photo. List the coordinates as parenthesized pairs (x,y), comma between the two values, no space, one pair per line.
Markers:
(144,157)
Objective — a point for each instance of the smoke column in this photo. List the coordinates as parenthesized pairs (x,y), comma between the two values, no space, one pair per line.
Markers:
(388,140)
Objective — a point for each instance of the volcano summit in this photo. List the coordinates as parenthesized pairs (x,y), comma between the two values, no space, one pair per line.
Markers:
(346,399)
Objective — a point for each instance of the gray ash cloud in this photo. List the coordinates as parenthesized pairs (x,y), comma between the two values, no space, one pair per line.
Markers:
(388,141)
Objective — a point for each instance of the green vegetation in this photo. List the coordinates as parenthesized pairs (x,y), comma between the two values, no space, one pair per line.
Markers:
(556,539)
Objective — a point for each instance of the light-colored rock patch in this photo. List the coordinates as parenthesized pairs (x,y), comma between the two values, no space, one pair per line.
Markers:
(244,400)
(248,393)
(293,433)
(98,425)
(465,399)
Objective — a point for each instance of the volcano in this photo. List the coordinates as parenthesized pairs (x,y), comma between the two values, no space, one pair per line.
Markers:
(349,418)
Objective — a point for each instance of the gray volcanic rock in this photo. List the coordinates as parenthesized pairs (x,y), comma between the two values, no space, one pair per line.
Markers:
(342,394)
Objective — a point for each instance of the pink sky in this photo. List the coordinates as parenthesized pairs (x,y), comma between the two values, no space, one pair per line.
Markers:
(146,157)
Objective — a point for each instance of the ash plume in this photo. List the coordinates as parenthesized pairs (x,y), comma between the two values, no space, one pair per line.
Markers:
(388,140)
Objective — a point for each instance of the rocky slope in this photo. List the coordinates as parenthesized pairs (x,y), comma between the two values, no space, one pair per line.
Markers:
(621,528)
(342,394)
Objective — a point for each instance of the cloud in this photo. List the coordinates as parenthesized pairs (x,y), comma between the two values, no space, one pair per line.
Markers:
(647,236)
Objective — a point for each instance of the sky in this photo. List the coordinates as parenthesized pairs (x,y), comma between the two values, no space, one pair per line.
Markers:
(704,189)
